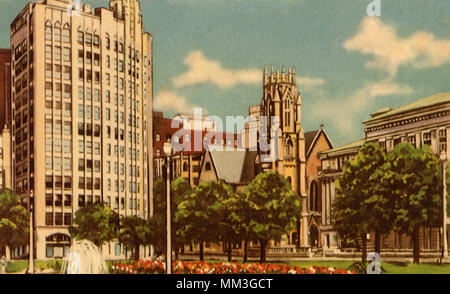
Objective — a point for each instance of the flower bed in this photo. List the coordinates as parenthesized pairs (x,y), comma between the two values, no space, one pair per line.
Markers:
(156,267)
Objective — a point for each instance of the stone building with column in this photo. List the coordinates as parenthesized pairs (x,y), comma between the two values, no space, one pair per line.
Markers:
(423,122)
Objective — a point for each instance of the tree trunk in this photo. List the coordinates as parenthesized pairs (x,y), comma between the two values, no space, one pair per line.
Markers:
(262,255)
(245,251)
(202,255)
(136,252)
(416,246)
(230,251)
(377,242)
(364,249)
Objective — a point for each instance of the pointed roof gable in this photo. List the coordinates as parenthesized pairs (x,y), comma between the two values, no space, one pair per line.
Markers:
(230,165)
(312,137)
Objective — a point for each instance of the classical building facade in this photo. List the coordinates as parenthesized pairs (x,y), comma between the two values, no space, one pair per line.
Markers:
(332,163)
(82,107)
(423,122)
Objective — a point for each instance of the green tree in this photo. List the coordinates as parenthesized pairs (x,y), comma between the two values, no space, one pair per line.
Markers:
(362,202)
(96,223)
(414,177)
(274,209)
(242,213)
(229,219)
(179,189)
(134,232)
(203,214)
(13,221)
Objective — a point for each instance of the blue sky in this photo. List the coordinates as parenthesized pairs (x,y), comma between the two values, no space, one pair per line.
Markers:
(211,54)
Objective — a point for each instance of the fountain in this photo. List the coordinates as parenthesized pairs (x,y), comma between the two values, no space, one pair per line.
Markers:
(84,257)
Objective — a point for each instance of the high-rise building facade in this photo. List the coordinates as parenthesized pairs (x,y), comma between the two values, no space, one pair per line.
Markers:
(81,106)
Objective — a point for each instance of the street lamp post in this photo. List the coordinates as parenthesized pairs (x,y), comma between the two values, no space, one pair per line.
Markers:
(443,158)
(168,151)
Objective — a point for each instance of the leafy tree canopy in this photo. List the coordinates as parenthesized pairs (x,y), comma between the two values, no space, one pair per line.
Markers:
(96,223)
(134,231)
(273,208)
(14,220)
(204,213)
(362,201)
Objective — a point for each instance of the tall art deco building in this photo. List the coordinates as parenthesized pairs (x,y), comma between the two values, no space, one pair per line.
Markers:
(81,105)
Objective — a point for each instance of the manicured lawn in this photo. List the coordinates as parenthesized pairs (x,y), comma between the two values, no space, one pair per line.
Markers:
(18,266)
(391,268)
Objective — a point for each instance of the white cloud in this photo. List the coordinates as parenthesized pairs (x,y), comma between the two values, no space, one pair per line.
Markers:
(170,101)
(420,50)
(344,114)
(201,70)
(366,95)
(309,83)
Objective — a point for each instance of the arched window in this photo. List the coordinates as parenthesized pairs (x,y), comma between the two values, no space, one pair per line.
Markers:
(48,31)
(57,32)
(57,245)
(186,167)
(287,113)
(289,150)
(314,197)
(80,36)
(66,33)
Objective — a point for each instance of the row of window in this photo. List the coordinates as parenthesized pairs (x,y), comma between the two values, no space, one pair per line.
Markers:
(22,100)
(56,128)
(58,164)
(54,53)
(57,71)
(58,92)
(57,201)
(56,33)
(21,83)
(56,219)
(59,183)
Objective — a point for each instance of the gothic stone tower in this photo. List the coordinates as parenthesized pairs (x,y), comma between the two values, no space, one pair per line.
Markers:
(282,100)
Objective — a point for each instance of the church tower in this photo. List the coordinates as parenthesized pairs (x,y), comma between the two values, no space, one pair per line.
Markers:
(281,100)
